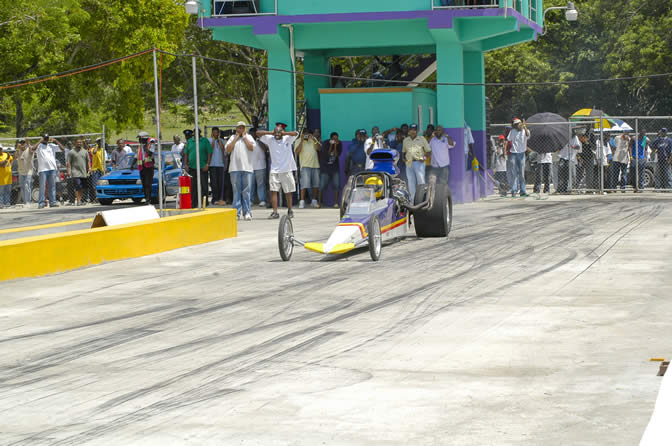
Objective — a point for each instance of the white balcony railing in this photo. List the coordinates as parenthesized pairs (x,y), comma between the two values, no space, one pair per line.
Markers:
(240,8)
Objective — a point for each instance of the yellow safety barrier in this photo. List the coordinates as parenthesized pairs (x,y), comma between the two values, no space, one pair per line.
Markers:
(54,253)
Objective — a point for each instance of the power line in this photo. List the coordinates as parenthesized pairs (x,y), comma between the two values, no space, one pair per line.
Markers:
(387,81)
(72,72)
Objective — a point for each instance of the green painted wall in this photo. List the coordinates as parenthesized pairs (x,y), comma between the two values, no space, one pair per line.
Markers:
(344,113)
(281,99)
(315,63)
(474,96)
(425,98)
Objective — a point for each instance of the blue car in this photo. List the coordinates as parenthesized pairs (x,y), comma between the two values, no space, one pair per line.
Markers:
(124,182)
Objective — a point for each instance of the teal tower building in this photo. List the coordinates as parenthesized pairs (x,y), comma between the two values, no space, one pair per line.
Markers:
(456,32)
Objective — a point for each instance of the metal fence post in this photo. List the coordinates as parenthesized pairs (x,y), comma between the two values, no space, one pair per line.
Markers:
(196,136)
(158,133)
(570,153)
(601,160)
(636,154)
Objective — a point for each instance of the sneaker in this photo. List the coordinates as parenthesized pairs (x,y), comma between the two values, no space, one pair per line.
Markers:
(524,195)
(262,204)
(248,217)
(40,206)
(238,216)
(55,205)
(302,204)
(513,195)
(336,206)
(290,213)
(273,215)
(314,204)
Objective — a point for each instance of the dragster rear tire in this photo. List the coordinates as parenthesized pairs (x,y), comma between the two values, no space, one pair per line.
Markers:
(437,220)
(345,196)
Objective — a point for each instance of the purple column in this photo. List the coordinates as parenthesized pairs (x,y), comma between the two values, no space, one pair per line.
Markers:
(485,185)
(458,177)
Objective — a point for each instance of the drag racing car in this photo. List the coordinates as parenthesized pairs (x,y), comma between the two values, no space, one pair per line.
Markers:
(376,207)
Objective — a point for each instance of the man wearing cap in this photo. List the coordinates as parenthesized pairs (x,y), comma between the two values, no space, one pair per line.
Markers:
(415,150)
(5,178)
(240,147)
(283,165)
(663,147)
(26,157)
(308,149)
(355,159)
(145,157)
(218,166)
(204,157)
(518,137)
(47,168)
(98,157)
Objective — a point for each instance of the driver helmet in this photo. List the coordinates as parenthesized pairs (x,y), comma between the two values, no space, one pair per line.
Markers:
(377,184)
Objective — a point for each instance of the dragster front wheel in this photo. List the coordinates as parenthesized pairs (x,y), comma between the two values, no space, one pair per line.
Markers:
(286,238)
(375,238)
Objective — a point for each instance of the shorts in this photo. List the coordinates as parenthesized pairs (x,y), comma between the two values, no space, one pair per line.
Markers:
(327,178)
(284,180)
(310,178)
(79,183)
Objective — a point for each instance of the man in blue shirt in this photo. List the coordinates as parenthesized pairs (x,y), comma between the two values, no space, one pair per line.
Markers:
(355,160)
(638,154)
(663,147)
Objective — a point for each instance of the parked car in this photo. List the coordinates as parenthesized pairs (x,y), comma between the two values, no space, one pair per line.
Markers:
(124,182)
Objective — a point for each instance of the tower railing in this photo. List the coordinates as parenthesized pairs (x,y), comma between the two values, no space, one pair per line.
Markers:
(240,8)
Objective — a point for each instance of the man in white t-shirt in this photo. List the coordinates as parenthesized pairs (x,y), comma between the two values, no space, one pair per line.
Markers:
(567,163)
(177,147)
(543,174)
(240,146)
(468,146)
(283,165)
(259,167)
(441,143)
(47,168)
(518,137)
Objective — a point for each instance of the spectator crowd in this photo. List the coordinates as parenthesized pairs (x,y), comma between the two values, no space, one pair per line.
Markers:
(590,161)
(246,166)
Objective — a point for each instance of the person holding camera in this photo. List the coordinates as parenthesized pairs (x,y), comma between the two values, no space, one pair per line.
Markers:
(47,168)
(375,142)
(518,137)
(329,166)
(441,144)
(241,145)
(308,148)
(355,159)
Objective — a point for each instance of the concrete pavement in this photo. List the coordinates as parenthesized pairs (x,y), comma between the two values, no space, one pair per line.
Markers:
(532,324)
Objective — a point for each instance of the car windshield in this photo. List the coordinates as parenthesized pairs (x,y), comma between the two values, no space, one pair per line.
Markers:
(127,162)
(361,201)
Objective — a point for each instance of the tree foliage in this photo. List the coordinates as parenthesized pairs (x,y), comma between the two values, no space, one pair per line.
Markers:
(612,38)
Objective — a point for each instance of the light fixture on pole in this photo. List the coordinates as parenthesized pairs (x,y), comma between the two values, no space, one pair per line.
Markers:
(571,14)
(193,7)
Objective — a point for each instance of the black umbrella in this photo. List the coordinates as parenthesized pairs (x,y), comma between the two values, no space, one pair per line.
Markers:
(548,132)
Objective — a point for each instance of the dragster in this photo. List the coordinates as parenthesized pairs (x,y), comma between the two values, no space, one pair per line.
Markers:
(376,207)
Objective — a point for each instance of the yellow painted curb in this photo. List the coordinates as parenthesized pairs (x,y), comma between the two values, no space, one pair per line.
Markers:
(54,253)
(50,225)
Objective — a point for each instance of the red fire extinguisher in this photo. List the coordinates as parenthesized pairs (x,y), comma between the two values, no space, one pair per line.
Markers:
(185,191)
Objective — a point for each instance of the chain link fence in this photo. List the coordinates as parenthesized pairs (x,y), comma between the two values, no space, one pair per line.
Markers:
(588,156)
(31,188)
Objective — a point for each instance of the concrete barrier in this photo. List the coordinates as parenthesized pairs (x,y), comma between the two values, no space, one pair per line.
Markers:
(54,253)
